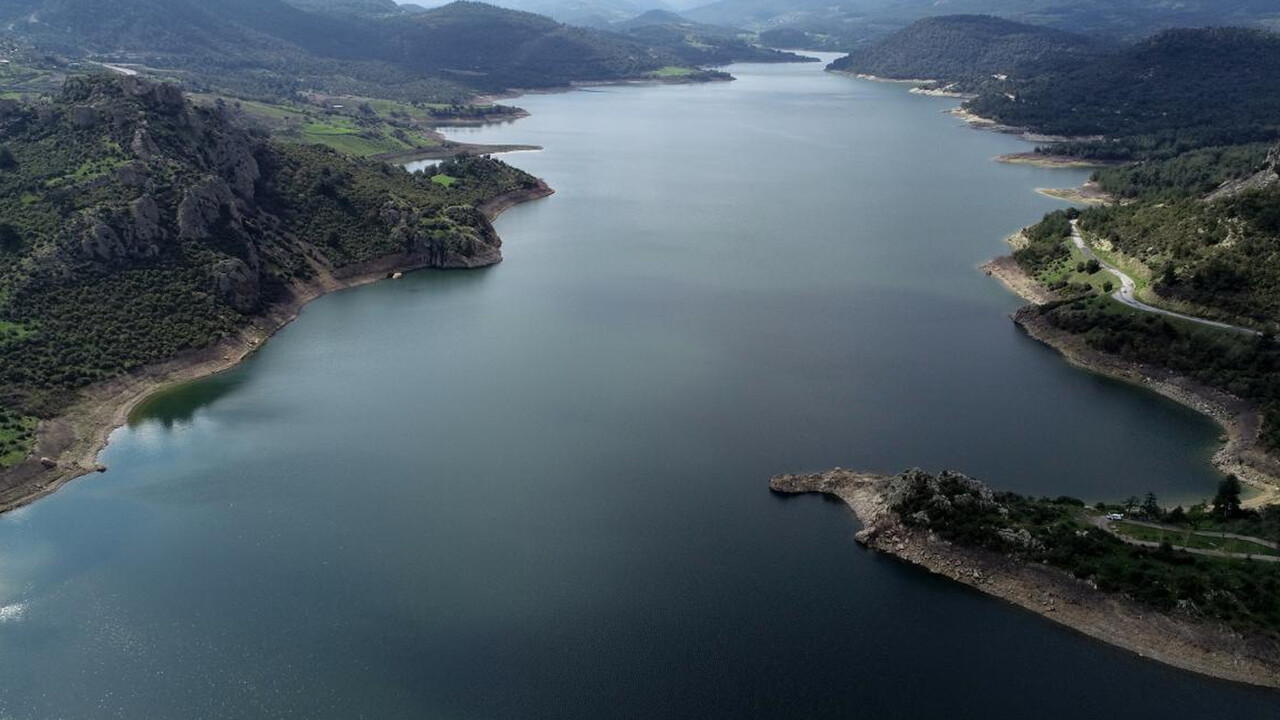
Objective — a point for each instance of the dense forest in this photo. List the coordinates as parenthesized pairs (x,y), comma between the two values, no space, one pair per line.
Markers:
(964,49)
(1177,91)
(136,225)
(1241,593)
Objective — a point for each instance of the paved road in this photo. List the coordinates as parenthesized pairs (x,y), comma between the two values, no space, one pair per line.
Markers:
(1127,293)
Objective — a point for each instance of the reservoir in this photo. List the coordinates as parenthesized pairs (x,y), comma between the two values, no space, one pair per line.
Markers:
(540,490)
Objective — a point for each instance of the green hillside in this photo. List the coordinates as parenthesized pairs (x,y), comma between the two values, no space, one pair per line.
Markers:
(1178,90)
(970,49)
(135,225)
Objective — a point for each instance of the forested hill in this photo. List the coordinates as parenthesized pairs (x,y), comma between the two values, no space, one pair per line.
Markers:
(1177,90)
(270,48)
(697,43)
(375,8)
(964,48)
(135,225)
(853,22)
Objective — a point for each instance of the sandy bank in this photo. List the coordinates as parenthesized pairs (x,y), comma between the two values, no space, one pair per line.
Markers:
(1046,160)
(1204,648)
(72,441)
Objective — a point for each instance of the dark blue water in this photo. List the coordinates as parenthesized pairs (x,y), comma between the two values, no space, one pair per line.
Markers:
(540,490)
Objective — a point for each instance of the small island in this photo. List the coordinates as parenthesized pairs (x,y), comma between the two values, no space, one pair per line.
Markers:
(1194,589)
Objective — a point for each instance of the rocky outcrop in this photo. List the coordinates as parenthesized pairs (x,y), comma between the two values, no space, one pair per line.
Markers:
(203,207)
(236,284)
(1268,176)
(462,238)
(143,146)
(105,237)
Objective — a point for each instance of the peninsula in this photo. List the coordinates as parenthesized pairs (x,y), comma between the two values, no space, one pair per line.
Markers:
(1053,558)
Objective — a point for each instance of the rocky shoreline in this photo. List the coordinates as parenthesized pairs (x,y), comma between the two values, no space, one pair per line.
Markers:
(66,447)
(1203,648)
(1242,454)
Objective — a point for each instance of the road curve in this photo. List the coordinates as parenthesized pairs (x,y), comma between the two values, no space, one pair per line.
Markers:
(1127,294)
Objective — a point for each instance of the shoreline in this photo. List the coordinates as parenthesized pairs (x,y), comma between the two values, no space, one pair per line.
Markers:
(1241,453)
(73,440)
(1047,160)
(1203,648)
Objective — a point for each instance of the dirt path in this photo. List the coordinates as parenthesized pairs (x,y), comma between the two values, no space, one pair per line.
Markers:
(1105,525)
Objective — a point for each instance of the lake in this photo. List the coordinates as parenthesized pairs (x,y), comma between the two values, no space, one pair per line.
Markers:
(539,490)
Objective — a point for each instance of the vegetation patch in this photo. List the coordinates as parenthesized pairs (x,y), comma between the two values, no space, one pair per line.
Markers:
(1242,593)
(17,435)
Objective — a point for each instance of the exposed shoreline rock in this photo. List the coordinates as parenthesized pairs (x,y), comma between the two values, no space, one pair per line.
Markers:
(1204,648)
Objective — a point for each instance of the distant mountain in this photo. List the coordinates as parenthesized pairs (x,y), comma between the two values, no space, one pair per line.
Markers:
(368,8)
(493,48)
(969,49)
(589,13)
(858,20)
(699,43)
(1178,90)
(271,47)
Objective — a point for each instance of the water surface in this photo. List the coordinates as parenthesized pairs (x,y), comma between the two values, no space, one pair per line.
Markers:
(540,490)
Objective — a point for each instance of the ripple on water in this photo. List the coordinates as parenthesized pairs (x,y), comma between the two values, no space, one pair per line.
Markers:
(12,613)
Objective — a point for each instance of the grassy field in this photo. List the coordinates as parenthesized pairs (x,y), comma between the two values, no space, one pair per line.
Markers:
(346,129)
(1067,271)
(672,71)
(1183,538)
(445,180)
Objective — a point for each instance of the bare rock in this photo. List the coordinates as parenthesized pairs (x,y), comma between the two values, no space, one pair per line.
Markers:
(236,284)
(203,206)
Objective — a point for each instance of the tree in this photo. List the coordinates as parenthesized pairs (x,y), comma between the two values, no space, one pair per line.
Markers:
(1107,286)
(1226,504)
(1130,503)
(9,238)
(7,160)
(1092,266)
(1177,516)
(1151,508)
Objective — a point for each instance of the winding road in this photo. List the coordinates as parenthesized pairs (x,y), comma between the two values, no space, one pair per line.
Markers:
(1127,294)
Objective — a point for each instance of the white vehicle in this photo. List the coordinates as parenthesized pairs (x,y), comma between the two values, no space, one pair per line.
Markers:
(1115,516)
